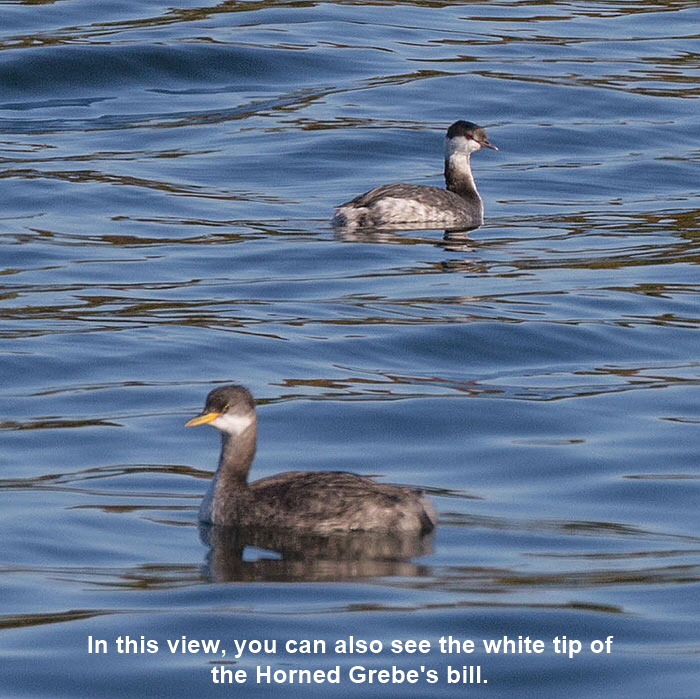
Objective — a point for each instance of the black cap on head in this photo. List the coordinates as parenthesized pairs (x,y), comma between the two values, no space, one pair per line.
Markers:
(470,130)
(224,397)
(462,128)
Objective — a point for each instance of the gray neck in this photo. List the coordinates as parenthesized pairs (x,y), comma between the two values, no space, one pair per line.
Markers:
(237,452)
(459,178)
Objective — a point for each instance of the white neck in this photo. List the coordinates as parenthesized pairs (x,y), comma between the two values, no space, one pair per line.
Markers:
(458,171)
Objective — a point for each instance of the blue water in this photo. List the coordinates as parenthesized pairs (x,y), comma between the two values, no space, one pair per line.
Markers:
(168,177)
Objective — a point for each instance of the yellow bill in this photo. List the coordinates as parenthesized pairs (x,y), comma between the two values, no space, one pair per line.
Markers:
(202,419)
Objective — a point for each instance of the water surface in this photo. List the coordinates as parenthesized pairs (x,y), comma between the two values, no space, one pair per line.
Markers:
(168,177)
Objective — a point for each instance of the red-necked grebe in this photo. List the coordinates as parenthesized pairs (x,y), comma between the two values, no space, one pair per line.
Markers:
(319,502)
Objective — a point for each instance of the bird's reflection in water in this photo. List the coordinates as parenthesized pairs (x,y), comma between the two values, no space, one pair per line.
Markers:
(289,555)
(454,240)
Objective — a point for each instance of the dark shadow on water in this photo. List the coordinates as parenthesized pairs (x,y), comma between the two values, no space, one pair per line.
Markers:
(290,556)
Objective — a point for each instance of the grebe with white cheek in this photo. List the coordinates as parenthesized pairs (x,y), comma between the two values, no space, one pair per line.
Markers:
(457,207)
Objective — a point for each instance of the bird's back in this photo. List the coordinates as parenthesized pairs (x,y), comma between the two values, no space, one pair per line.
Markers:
(402,202)
(325,502)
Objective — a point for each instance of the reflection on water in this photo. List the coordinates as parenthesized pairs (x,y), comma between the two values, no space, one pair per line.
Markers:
(455,241)
(297,556)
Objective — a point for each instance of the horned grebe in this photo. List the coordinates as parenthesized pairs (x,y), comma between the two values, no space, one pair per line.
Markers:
(317,502)
(457,207)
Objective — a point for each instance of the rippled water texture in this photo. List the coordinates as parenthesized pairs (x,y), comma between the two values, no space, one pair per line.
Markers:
(167,180)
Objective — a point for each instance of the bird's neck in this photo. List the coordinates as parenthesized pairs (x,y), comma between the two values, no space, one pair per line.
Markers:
(459,178)
(237,452)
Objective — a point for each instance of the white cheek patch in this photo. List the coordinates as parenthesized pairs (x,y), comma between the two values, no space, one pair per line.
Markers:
(460,144)
(233,424)
(454,145)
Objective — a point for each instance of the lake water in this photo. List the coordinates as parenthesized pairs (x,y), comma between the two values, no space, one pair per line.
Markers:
(168,178)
